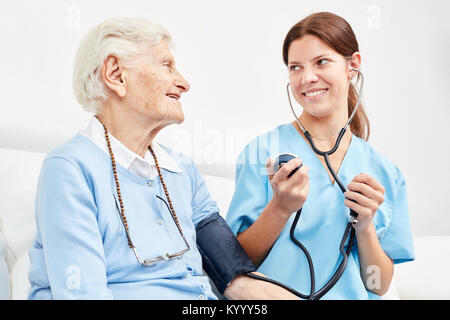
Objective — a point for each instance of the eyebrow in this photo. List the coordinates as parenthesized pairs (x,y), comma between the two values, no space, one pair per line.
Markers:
(164,57)
(313,59)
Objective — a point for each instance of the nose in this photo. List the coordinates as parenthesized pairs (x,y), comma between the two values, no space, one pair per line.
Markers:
(309,76)
(182,83)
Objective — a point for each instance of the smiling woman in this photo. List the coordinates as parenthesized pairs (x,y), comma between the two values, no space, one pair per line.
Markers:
(114,37)
(116,212)
(147,92)
(127,73)
(322,49)
(157,83)
(321,53)
(320,83)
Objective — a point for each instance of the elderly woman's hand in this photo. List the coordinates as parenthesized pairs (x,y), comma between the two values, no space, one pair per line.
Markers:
(246,288)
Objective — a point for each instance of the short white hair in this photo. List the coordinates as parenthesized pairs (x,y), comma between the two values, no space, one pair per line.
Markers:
(126,38)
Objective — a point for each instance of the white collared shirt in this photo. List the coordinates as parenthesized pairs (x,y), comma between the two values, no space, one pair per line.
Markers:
(143,167)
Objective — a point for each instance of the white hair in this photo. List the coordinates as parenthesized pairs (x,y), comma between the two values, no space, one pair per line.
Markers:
(126,38)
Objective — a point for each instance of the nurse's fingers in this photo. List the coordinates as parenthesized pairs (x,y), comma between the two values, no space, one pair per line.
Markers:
(367,191)
(363,212)
(296,182)
(361,199)
(303,190)
(371,181)
(300,178)
(284,171)
(295,188)
(270,168)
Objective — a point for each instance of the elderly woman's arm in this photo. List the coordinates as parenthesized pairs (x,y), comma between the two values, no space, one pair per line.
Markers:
(246,288)
(68,233)
(241,287)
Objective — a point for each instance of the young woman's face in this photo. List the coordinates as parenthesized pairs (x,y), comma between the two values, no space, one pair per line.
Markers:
(319,76)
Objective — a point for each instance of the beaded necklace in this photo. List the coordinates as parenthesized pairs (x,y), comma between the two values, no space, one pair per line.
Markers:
(119,194)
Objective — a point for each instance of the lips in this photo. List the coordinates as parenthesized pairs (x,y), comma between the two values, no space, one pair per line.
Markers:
(175,96)
(314,92)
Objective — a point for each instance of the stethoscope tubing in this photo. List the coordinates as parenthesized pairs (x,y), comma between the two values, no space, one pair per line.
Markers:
(315,295)
(345,253)
(358,102)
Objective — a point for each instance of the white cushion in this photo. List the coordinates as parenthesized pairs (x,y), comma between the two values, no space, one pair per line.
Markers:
(425,278)
(20,285)
(428,276)
(392,293)
(221,190)
(5,290)
(19,172)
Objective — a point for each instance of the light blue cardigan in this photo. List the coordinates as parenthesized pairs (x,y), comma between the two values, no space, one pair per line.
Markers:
(81,250)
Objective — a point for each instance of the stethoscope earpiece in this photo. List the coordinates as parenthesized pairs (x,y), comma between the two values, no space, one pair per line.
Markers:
(355,70)
(360,91)
(352,220)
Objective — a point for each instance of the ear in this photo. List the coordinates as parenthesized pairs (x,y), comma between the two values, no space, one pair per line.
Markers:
(114,75)
(355,62)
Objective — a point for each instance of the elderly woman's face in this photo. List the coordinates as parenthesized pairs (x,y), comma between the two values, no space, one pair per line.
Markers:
(155,86)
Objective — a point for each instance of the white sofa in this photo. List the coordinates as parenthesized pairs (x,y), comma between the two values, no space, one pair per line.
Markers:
(425,278)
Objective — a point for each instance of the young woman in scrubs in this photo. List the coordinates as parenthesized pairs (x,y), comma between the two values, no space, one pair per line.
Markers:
(320,52)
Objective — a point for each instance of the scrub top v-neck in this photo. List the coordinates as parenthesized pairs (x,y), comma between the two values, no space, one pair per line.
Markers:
(303,139)
(324,215)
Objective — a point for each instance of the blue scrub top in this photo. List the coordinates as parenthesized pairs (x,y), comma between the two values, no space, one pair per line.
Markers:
(324,215)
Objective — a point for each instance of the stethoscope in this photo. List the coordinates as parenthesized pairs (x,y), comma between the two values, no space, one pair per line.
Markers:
(325,154)
(284,158)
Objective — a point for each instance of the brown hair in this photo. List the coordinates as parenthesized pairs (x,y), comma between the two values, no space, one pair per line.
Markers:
(338,34)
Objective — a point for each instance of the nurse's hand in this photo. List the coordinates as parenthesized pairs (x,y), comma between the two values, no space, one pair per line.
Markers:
(289,194)
(367,195)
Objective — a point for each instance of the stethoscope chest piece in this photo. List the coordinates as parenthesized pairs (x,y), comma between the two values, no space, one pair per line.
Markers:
(285,158)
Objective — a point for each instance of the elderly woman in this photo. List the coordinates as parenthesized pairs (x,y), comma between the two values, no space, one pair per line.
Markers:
(116,212)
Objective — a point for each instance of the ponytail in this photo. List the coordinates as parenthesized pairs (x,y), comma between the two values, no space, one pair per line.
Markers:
(338,34)
(360,125)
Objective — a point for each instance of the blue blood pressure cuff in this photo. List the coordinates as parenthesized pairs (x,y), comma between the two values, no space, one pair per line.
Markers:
(223,257)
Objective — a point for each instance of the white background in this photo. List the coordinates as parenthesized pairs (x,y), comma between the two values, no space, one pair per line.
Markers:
(230,51)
